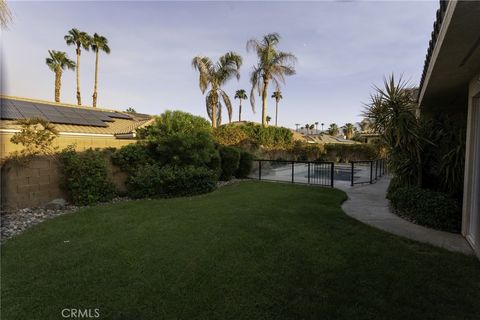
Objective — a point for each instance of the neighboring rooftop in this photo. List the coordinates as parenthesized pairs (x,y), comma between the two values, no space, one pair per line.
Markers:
(69,118)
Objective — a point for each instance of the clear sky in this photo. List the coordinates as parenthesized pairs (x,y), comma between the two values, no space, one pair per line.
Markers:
(343,48)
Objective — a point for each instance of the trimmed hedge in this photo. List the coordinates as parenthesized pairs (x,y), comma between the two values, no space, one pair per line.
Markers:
(230,159)
(245,165)
(426,207)
(151,180)
(86,176)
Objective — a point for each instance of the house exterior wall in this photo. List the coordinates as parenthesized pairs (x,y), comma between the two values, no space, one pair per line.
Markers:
(472,165)
(82,142)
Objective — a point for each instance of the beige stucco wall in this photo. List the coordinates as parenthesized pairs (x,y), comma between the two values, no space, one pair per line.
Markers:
(82,142)
(470,164)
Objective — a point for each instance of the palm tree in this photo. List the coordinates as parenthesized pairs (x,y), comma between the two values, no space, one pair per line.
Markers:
(98,43)
(322,124)
(316,127)
(296,125)
(277,95)
(79,39)
(348,130)
(5,15)
(57,62)
(269,119)
(333,130)
(130,110)
(272,65)
(307,126)
(214,76)
(241,95)
(311,127)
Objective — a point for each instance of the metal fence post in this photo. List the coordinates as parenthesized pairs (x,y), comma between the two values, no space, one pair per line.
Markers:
(376,170)
(332,174)
(371,171)
(293,172)
(308,173)
(259,170)
(352,174)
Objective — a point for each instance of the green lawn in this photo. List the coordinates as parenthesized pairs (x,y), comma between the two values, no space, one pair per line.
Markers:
(248,251)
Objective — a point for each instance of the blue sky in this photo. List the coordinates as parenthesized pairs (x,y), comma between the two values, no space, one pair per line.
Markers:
(343,48)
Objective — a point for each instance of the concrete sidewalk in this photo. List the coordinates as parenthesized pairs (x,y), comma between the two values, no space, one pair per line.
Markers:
(367,203)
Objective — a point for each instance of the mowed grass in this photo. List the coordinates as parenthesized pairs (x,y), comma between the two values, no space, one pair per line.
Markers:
(248,251)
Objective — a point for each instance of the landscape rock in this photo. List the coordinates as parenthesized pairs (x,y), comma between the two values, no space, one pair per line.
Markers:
(56,204)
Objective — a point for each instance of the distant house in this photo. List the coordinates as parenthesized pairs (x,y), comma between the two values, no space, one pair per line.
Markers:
(86,127)
(450,85)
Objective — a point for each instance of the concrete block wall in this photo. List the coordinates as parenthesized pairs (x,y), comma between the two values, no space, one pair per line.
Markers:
(39,181)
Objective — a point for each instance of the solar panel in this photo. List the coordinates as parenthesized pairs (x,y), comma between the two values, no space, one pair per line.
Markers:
(16,109)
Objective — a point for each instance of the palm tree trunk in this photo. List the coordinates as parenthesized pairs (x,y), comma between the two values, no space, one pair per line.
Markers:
(214,110)
(79,98)
(264,102)
(58,84)
(96,81)
(240,111)
(276,112)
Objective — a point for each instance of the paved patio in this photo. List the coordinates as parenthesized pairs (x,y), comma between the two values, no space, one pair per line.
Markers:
(367,203)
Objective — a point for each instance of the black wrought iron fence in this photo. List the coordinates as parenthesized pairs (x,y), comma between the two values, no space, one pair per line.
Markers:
(367,171)
(308,172)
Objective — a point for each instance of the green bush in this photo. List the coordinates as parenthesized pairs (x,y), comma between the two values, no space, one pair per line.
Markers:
(245,165)
(348,152)
(152,180)
(230,158)
(86,177)
(429,208)
(131,156)
(231,135)
(394,185)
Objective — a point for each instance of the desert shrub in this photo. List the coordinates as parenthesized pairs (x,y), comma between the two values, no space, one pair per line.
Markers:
(245,165)
(230,158)
(349,152)
(131,156)
(86,177)
(180,139)
(231,135)
(307,151)
(151,180)
(429,208)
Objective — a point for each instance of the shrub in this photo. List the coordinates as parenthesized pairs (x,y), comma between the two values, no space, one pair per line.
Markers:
(394,185)
(245,165)
(230,158)
(85,176)
(152,180)
(429,208)
(231,135)
(348,152)
(131,156)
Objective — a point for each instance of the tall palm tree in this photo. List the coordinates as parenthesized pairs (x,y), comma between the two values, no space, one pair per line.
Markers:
(307,126)
(333,130)
(214,76)
(57,62)
(241,95)
(272,65)
(316,127)
(322,124)
(296,125)
(348,130)
(5,15)
(79,39)
(277,95)
(269,119)
(98,43)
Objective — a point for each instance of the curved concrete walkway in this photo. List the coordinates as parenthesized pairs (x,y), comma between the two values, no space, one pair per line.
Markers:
(367,203)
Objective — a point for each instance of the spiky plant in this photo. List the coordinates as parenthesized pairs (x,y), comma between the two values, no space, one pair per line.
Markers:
(98,43)
(333,130)
(241,95)
(214,76)
(80,40)
(277,95)
(273,65)
(57,62)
